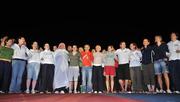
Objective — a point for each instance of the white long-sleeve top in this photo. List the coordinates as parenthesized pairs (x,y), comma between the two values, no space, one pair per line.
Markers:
(35,56)
(20,52)
(135,58)
(47,57)
(173,46)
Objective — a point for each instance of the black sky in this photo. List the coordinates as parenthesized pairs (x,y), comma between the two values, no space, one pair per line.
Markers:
(100,27)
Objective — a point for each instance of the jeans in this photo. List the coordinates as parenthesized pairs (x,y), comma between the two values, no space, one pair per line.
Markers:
(18,67)
(33,70)
(160,67)
(87,79)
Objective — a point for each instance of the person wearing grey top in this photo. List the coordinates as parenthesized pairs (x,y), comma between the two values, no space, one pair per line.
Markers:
(73,71)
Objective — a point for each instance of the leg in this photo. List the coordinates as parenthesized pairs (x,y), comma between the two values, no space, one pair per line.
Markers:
(94,78)
(121,82)
(83,79)
(15,69)
(159,77)
(22,66)
(89,82)
(107,83)
(30,73)
(100,79)
(6,77)
(1,74)
(112,83)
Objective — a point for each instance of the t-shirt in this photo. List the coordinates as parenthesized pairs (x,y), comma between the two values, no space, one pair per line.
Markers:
(123,55)
(74,60)
(6,53)
(47,57)
(98,59)
(109,59)
(173,46)
(135,58)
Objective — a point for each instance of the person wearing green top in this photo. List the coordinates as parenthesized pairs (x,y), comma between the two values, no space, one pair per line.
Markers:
(6,53)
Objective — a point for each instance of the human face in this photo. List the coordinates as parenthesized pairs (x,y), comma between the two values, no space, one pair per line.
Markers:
(46,47)
(173,37)
(132,47)
(74,48)
(98,48)
(158,39)
(22,41)
(81,49)
(123,45)
(9,42)
(35,45)
(110,48)
(146,42)
(86,47)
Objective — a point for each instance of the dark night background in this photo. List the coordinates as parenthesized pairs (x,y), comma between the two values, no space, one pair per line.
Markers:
(91,28)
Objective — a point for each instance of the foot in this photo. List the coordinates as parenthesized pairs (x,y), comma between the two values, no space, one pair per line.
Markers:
(41,92)
(169,91)
(162,91)
(177,92)
(75,92)
(83,92)
(48,92)
(94,92)
(100,92)
(33,91)
(56,92)
(27,91)
(70,91)
(62,92)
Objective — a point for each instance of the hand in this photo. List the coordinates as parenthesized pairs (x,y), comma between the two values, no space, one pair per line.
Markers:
(177,51)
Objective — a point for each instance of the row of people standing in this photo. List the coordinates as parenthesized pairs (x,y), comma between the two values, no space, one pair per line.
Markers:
(60,70)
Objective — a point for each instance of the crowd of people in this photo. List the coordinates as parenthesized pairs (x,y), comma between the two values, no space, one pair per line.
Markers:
(151,68)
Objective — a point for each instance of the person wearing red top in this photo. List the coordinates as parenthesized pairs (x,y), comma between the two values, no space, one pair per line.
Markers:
(87,59)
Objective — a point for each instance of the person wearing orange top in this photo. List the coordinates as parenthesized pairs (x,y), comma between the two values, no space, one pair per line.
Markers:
(87,59)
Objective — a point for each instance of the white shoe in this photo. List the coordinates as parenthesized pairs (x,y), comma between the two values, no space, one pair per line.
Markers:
(100,92)
(27,91)
(62,92)
(83,92)
(90,92)
(33,91)
(94,92)
(70,91)
(75,92)
(56,92)
(169,91)
(162,91)
(177,92)
(41,92)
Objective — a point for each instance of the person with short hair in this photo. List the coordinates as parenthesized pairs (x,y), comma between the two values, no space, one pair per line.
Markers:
(123,73)
(174,61)
(6,53)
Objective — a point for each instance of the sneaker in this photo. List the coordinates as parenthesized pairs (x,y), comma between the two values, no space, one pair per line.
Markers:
(48,92)
(33,91)
(94,92)
(169,91)
(100,92)
(83,92)
(177,92)
(75,92)
(62,92)
(129,92)
(56,92)
(27,91)
(89,92)
(41,92)
(162,91)
(70,91)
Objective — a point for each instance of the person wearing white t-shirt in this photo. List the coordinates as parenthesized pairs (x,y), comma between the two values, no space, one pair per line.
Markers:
(174,62)
(123,73)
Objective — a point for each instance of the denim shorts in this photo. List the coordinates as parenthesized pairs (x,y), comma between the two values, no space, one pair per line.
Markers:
(33,70)
(160,67)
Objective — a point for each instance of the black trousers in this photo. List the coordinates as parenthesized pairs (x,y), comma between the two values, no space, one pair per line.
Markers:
(97,78)
(46,77)
(5,75)
(174,68)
